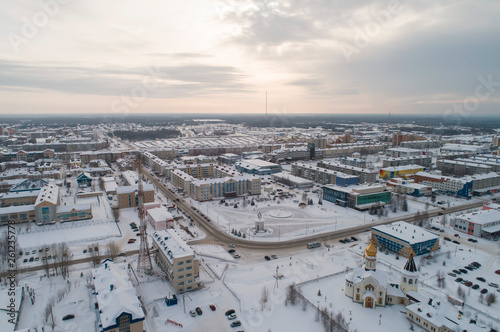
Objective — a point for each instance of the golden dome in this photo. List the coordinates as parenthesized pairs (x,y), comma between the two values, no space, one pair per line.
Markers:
(371,251)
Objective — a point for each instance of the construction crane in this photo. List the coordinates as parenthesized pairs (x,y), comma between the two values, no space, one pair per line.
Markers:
(144,262)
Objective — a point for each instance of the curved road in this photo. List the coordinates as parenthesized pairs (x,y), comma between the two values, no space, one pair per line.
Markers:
(217,236)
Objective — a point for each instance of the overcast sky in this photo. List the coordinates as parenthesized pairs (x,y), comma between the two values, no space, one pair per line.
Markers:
(221,56)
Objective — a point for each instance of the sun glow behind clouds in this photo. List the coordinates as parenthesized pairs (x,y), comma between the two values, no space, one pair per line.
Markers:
(222,55)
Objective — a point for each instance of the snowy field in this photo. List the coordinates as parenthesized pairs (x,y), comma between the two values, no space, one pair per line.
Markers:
(285,220)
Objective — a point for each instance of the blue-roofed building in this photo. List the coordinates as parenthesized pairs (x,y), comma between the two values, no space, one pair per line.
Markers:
(84,179)
(405,239)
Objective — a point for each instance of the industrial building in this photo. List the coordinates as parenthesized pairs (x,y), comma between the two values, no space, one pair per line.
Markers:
(485,223)
(257,166)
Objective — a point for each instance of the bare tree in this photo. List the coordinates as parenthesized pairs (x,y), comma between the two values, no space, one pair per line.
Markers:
(291,295)
(94,254)
(65,257)
(490,299)
(116,215)
(112,249)
(264,298)
(444,220)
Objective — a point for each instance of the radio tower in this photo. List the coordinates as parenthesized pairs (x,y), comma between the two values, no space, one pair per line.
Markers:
(144,261)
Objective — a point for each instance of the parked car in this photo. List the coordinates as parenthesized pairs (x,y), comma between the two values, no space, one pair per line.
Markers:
(463,271)
(456,235)
(236,323)
(456,242)
(468,283)
(236,256)
(274,256)
(458,280)
(32,259)
(231,316)
(492,284)
(497,271)
(229,312)
(231,251)
(469,268)
(354,238)
(447,239)
(484,291)
(476,264)
(68,316)
(267,258)
(231,245)
(25,260)
(212,307)
(452,274)
(456,271)
(476,286)
(481,279)
(198,311)
(192,313)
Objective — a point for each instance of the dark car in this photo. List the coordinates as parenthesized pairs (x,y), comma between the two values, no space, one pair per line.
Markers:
(476,264)
(456,242)
(456,271)
(469,268)
(212,307)
(476,286)
(458,280)
(354,238)
(198,311)
(481,279)
(236,323)
(463,270)
(267,258)
(229,312)
(484,291)
(341,241)
(447,239)
(452,274)
(68,316)
(231,251)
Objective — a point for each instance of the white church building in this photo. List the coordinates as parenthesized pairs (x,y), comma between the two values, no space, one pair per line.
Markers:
(370,287)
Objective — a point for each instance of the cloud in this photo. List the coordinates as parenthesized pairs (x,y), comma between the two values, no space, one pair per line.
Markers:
(169,81)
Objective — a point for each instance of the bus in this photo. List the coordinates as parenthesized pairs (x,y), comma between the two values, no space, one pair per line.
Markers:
(313,245)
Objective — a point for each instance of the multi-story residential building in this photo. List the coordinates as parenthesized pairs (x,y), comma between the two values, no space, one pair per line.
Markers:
(323,176)
(450,147)
(351,161)
(365,175)
(490,161)
(424,144)
(203,190)
(400,171)
(422,160)
(177,260)
(448,185)
(461,168)
(403,152)
(128,195)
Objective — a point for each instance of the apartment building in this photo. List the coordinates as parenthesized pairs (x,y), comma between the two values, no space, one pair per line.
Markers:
(177,260)
(128,195)
(323,175)
(365,175)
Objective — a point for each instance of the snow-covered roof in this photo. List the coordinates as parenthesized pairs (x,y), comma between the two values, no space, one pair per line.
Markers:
(115,293)
(16,209)
(49,193)
(481,217)
(292,178)
(359,273)
(131,189)
(406,232)
(402,168)
(69,208)
(172,245)
(160,214)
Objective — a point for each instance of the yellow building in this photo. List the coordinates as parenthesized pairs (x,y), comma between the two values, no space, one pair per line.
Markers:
(404,171)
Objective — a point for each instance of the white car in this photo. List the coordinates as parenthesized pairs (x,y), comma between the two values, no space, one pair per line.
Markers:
(231,316)
(192,313)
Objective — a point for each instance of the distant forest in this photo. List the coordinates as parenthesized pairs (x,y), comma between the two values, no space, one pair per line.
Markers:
(146,135)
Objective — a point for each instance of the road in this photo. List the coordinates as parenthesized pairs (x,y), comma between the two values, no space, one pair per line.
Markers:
(71,262)
(217,236)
